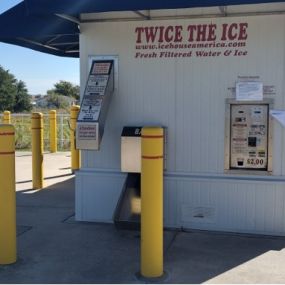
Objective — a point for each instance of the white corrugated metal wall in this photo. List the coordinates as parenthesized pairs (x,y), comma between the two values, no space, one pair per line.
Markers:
(188,97)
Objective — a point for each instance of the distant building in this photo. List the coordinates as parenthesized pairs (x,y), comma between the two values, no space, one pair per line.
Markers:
(39,100)
(42,101)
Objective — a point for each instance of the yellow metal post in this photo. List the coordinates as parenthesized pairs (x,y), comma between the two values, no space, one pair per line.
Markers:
(7,117)
(37,150)
(8,247)
(152,203)
(75,154)
(52,131)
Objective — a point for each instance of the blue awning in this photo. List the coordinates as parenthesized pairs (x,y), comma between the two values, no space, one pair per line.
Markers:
(46,33)
(75,7)
(51,26)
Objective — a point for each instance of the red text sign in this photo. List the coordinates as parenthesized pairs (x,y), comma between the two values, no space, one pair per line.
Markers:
(167,41)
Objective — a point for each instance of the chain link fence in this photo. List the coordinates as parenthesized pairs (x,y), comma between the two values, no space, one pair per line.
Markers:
(23,135)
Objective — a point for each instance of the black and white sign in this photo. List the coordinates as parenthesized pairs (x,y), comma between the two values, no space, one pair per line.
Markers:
(94,106)
(90,109)
(96,85)
(131,132)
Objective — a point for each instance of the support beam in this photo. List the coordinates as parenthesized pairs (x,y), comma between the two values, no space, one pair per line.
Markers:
(53,47)
(53,39)
(144,16)
(38,44)
(223,10)
(64,44)
(180,17)
(69,18)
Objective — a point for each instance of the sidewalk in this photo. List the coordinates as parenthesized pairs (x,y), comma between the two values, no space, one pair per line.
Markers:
(53,248)
(56,169)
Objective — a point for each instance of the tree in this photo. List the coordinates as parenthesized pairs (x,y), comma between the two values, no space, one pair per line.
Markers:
(57,101)
(66,88)
(23,101)
(8,90)
(13,93)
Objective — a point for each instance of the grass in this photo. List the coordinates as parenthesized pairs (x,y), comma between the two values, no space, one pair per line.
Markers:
(23,135)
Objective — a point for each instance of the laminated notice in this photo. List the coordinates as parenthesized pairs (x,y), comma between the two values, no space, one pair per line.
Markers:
(249,91)
(87,132)
(96,85)
(90,109)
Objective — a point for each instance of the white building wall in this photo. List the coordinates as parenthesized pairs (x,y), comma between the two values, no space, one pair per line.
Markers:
(187,95)
(226,205)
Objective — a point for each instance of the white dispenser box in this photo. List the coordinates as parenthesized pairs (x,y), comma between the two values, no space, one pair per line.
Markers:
(131,150)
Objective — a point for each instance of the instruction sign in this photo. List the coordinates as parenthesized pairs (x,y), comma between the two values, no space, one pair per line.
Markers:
(98,78)
(87,131)
(249,91)
(95,90)
(90,109)
(97,95)
(96,85)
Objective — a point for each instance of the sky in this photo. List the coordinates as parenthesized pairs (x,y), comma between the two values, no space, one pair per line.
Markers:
(38,70)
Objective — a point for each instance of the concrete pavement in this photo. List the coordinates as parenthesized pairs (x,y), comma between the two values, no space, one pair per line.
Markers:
(56,169)
(53,248)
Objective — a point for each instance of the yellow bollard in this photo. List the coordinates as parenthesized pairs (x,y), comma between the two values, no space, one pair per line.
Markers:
(37,150)
(75,154)
(152,203)
(7,117)
(52,131)
(8,246)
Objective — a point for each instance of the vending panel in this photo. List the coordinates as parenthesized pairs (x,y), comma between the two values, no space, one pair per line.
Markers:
(95,103)
(248,136)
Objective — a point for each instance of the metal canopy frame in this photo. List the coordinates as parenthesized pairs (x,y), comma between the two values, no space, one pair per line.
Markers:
(53,34)
(142,15)
(52,26)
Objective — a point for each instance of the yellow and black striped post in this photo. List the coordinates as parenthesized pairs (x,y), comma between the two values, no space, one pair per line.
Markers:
(52,131)
(75,153)
(37,150)
(8,243)
(7,117)
(152,202)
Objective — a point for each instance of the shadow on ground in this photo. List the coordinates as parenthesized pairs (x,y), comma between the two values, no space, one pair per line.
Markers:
(53,248)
